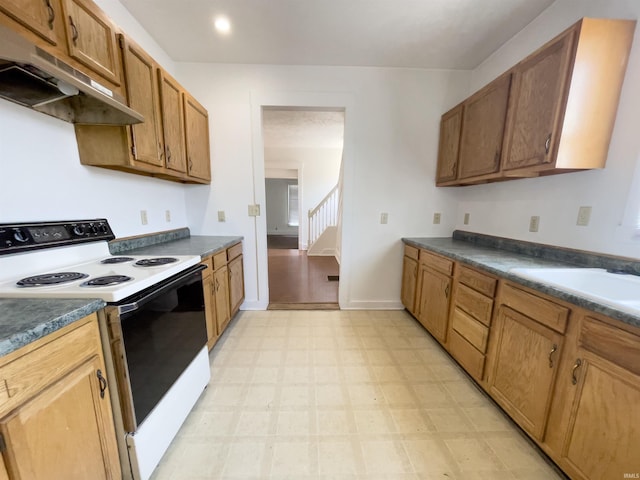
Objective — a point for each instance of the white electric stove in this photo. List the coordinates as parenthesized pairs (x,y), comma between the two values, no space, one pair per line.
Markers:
(153,327)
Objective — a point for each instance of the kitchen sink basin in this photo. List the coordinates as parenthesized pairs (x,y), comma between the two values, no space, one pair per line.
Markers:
(614,289)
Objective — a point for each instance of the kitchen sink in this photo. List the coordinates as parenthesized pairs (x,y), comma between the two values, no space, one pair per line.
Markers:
(620,291)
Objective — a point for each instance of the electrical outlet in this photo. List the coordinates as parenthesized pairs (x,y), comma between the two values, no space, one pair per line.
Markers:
(143,217)
(466,218)
(384,218)
(221,216)
(584,215)
(254,210)
(436,218)
(167,215)
(534,223)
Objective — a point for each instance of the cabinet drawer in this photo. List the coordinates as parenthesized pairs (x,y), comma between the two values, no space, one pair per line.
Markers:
(474,303)
(27,375)
(478,281)
(233,252)
(411,252)
(470,358)
(472,330)
(618,346)
(219,260)
(436,262)
(541,310)
(209,264)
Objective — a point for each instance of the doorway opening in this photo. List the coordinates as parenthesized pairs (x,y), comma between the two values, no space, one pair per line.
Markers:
(303,161)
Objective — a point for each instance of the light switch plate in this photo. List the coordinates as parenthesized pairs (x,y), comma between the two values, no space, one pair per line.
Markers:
(466,218)
(221,216)
(436,218)
(167,215)
(254,210)
(384,218)
(143,217)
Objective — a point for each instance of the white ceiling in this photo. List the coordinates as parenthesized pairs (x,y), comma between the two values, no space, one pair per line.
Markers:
(448,34)
(299,128)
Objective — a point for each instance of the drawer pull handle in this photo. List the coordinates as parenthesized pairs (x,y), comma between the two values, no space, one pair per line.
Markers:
(547,144)
(103,383)
(553,350)
(52,14)
(574,379)
(74,31)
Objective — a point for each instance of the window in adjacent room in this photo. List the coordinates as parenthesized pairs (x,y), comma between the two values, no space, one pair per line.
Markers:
(292,199)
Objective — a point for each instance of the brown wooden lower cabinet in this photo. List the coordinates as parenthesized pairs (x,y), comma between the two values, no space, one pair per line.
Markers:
(409,278)
(569,377)
(54,419)
(223,285)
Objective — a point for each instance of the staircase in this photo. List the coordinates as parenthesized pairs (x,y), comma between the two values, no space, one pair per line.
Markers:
(323,222)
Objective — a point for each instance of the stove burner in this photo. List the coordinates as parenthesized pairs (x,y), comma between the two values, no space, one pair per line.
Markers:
(117,260)
(106,281)
(155,262)
(50,279)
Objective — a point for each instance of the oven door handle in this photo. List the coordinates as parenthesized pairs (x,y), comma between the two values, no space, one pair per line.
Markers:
(130,307)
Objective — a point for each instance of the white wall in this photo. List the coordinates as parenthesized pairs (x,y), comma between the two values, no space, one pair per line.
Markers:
(42,178)
(504,208)
(391,137)
(277,206)
(318,172)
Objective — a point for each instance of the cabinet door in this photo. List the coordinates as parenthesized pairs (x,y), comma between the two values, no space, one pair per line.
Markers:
(434,302)
(210,310)
(524,369)
(91,38)
(409,281)
(63,432)
(535,114)
(604,428)
(221,287)
(172,123)
(37,15)
(236,284)
(196,125)
(143,97)
(483,129)
(449,146)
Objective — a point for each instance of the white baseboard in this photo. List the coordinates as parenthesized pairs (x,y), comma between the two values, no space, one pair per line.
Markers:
(372,305)
(254,305)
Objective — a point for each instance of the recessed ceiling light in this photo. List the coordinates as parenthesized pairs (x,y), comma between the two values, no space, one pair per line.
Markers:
(222,24)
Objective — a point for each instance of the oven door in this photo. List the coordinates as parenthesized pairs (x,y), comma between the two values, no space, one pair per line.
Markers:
(154,336)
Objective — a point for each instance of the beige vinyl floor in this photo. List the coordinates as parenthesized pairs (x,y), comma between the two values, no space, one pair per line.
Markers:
(343,395)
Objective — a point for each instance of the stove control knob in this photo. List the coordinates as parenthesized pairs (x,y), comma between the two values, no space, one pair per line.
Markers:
(102,228)
(79,230)
(20,235)
(93,228)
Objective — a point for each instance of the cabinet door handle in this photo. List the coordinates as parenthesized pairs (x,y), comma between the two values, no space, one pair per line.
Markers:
(168,154)
(160,149)
(574,379)
(74,31)
(52,14)
(217,285)
(496,158)
(547,144)
(446,291)
(553,350)
(190,164)
(103,383)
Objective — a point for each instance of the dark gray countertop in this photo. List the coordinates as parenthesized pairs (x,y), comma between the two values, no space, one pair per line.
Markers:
(24,320)
(202,245)
(498,261)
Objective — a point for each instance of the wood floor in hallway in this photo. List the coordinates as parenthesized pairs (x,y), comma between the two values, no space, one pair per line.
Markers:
(298,280)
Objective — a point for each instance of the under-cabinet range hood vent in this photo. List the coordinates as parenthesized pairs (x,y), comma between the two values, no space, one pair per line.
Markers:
(34,78)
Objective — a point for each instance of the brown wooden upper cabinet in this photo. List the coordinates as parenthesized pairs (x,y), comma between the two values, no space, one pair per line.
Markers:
(196,125)
(450,127)
(39,16)
(559,103)
(172,142)
(172,123)
(91,38)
